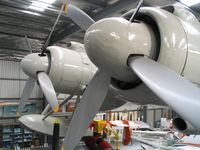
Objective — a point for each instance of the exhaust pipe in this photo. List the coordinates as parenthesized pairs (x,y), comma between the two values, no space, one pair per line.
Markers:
(184,127)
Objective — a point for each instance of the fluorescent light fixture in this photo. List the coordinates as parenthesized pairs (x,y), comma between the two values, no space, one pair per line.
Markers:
(36,8)
(190,2)
(41,5)
(30,12)
(47,1)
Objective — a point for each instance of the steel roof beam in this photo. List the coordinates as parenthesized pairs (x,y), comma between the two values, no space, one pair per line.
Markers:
(47,15)
(42,39)
(98,2)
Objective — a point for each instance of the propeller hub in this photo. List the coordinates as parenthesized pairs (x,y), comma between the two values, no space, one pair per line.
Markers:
(33,63)
(109,43)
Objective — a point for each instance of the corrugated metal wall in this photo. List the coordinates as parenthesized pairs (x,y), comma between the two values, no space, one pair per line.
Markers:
(12,82)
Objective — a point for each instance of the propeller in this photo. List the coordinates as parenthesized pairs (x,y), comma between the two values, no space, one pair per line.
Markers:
(87,108)
(81,19)
(46,85)
(136,11)
(172,88)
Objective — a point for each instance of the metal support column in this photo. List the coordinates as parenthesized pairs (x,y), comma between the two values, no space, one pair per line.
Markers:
(145,110)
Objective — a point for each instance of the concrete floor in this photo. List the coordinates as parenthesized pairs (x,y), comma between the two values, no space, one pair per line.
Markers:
(134,146)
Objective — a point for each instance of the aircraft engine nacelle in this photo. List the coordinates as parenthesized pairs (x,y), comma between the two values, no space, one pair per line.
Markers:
(171,38)
(184,127)
(70,71)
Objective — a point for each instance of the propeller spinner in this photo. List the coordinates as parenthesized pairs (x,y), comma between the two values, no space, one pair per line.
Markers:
(113,40)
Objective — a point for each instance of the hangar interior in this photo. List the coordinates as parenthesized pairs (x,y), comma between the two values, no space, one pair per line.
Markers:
(25,26)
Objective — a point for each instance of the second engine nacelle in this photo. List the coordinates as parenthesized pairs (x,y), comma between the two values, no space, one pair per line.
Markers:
(70,71)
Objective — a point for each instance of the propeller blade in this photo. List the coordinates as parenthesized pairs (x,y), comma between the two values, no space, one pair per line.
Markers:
(48,90)
(50,34)
(136,11)
(79,17)
(86,109)
(173,89)
(28,88)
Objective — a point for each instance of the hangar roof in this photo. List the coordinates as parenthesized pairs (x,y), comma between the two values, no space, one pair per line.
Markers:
(25,24)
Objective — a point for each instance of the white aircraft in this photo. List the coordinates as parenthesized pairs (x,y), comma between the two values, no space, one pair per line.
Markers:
(145,50)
